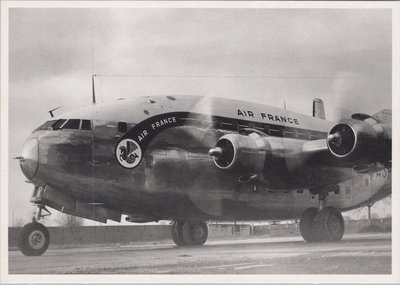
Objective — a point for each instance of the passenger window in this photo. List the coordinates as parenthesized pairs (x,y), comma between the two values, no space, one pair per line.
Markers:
(72,124)
(276,132)
(58,124)
(86,125)
(122,127)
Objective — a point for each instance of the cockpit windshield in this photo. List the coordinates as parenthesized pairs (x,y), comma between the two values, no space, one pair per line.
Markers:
(57,125)
(64,124)
(72,124)
(46,125)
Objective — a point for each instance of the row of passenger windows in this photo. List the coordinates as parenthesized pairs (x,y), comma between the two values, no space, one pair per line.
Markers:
(228,124)
(63,124)
(238,125)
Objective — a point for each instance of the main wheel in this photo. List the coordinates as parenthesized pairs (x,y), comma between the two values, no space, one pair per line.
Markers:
(308,226)
(34,239)
(199,233)
(194,233)
(176,231)
(330,224)
(189,233)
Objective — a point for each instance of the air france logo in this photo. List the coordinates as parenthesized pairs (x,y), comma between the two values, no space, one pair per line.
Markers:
(129,153)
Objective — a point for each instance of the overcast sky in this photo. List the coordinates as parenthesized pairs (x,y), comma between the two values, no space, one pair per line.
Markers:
(342,56)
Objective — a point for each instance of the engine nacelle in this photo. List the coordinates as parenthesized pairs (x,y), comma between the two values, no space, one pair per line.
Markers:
(238,153)
(360,141)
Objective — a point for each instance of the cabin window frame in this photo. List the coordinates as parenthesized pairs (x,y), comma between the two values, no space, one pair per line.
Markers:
(90,125)
(72,121)
(60,126)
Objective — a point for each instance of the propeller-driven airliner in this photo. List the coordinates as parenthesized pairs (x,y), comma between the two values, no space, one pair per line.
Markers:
(192,159)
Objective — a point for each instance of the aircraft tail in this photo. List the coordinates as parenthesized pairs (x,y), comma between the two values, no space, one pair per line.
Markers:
(384,116)
(318,109)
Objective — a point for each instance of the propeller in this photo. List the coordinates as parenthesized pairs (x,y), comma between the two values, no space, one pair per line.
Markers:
(342,103)
(205,134)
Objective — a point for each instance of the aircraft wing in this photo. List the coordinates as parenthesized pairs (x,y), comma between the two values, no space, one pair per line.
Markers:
(362,142)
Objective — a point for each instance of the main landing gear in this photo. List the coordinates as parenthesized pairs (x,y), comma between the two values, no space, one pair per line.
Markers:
(34,238)
(321,225)
(324,225)
(189,233)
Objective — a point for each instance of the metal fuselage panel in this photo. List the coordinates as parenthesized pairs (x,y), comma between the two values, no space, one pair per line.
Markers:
(176,178)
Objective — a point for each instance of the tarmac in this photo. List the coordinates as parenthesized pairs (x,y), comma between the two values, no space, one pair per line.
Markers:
(355,254)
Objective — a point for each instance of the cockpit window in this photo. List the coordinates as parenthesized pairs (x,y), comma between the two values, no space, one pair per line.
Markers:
(72,124)
(46,125)
(64,124)
(58,124)
(86,125)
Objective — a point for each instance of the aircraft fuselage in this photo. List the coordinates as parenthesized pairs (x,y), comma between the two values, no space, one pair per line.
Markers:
(149,157)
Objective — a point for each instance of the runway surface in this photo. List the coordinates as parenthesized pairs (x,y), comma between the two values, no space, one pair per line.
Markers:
(355,254)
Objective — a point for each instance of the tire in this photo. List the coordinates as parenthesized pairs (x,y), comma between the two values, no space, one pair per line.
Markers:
(187,233)
(34,239)
(308,226)
(176,231)
(199,233)
(330,224)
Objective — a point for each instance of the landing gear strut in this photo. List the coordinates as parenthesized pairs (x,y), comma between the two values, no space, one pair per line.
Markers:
(189,233)
(34,238)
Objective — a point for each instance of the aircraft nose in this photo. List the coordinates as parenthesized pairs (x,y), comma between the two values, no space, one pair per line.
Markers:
(29,160)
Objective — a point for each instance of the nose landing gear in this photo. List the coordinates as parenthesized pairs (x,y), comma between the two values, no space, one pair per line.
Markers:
(189,233)
(34,238)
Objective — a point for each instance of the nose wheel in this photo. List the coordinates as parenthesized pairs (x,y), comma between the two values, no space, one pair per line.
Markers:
(34,239)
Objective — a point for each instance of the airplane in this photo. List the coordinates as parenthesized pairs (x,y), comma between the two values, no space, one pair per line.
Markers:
(191,159)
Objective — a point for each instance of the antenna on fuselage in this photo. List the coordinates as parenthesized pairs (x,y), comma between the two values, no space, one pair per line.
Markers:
(284,105)
(93,75)
(52,110)
(93,90)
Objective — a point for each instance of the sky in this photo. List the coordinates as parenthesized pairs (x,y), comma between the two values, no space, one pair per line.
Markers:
(269,56)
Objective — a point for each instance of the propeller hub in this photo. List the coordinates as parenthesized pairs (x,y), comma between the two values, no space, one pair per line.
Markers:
(335,139)
(215,152)
(341,139)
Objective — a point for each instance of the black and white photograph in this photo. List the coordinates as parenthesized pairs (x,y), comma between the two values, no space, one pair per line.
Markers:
(214,139)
